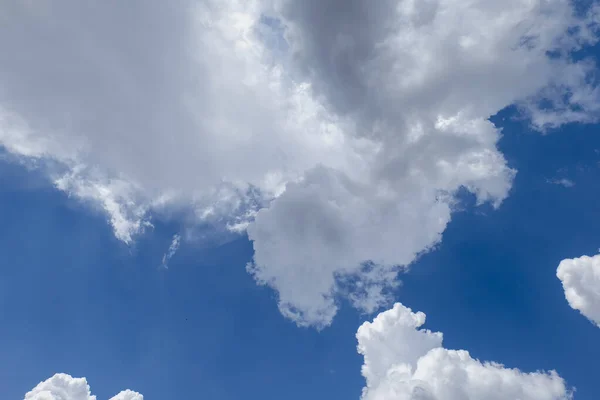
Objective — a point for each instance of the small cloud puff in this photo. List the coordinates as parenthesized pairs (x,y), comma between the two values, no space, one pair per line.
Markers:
(580,278)
(65,387)
(562,182)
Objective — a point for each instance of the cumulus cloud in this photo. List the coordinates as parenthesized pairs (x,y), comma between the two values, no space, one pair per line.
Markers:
(65,387)
(404,362)
(336,132)
(580,278)
(418,79)
(128,395)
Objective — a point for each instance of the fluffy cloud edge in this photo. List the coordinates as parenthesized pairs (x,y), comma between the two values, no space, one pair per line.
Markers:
(580,278)
(404,362)
(63,386)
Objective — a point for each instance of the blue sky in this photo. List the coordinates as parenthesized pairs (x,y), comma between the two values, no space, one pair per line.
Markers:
(186,197)
(76,299)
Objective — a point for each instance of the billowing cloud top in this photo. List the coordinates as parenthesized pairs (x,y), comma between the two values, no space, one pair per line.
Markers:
(403,362)
(65,387)
(337,132)
(580,278)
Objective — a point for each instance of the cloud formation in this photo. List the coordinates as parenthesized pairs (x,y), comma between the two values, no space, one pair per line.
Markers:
(337,132)
(580,278)
(403,362)
(65,387)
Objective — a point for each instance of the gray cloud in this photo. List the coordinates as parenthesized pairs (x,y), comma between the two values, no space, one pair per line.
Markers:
(350,125)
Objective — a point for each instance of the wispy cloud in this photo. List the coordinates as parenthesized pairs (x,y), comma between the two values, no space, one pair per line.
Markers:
(175,243)
(562,182)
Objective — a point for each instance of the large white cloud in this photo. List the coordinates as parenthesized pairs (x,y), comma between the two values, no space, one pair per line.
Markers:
(403,362)
(351,125)
(65,387)
(420,79)
(580,278)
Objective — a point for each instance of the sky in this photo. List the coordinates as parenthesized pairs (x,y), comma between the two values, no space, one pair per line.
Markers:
(324,199)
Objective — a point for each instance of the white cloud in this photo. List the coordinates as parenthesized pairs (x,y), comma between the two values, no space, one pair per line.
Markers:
(403,362)
(562,182)
(65,387)
(349,125)
(128,395)
(116,197)
(580,278)
(173,247)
